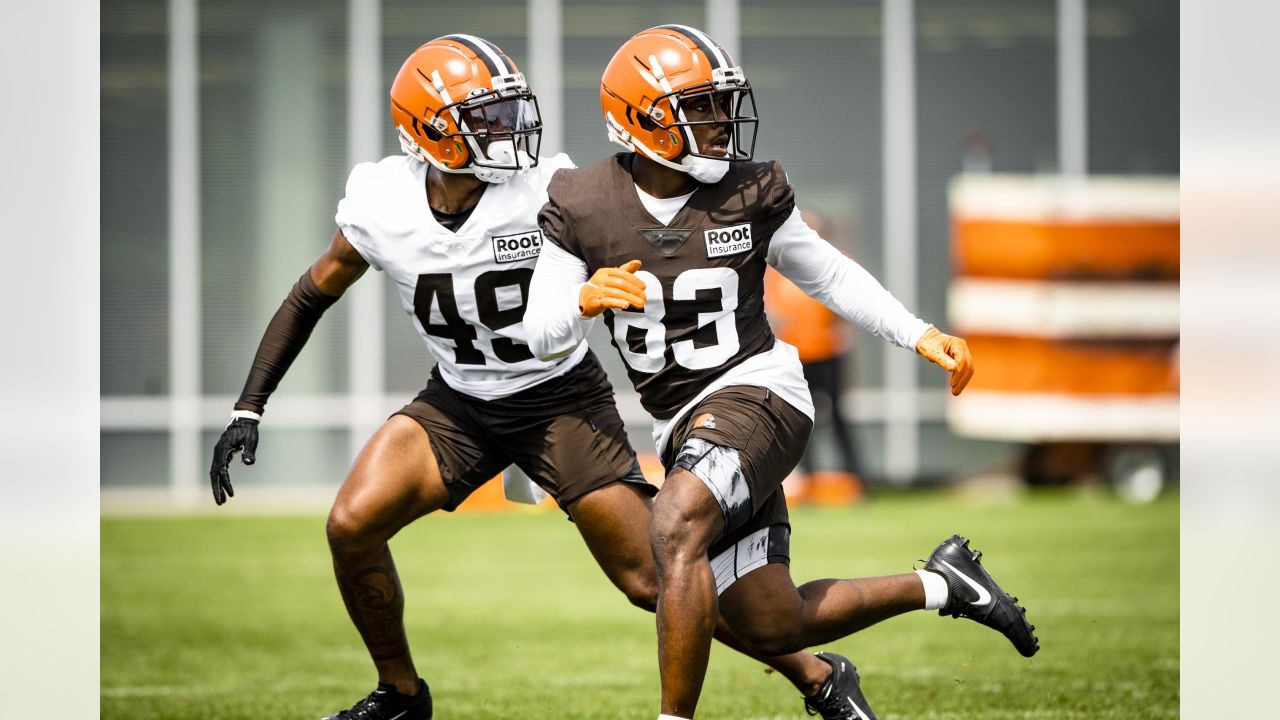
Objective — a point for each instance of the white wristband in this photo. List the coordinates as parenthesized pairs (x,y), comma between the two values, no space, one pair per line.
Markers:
(246,414)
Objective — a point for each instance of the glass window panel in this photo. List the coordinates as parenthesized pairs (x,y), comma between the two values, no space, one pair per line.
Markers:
(1133,86)
(135,458)
(273,104)
(135,201)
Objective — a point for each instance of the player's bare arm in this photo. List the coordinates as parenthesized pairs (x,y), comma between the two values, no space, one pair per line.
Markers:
(339,267)
(318,288)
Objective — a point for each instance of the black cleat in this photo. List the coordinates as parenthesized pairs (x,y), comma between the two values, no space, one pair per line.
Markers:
(386,703)
(975,595)
(840,697)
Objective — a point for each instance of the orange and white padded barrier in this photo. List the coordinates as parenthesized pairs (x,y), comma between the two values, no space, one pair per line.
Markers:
(1055,228)
(1067,293)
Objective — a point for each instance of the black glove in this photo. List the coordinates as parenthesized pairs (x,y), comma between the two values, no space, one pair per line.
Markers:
(241,434)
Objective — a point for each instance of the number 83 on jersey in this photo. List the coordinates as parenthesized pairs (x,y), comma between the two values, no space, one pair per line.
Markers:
(701,300)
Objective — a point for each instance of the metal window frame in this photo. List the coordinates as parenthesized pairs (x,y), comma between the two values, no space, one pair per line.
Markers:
(184,250)
(901,266)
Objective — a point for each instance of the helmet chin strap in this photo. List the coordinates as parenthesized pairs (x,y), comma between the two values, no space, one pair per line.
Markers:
(500,151)
(503,152)
(705,170)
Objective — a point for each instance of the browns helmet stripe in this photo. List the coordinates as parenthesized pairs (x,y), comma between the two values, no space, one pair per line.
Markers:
(716,54)
(488,53)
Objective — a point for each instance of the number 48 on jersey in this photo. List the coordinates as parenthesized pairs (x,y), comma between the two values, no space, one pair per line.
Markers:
(437,289)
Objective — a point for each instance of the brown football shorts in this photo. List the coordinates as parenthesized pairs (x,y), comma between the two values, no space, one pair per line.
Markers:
(565,434)
(766,435)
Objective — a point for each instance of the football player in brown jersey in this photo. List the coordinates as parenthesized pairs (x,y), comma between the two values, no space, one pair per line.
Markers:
(433,220)
(669,242)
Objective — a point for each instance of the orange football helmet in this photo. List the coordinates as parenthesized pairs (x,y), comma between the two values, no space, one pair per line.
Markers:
(460,104)
(655,79)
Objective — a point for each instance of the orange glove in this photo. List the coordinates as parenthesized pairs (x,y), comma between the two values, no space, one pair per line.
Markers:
(950,352)
(617,288)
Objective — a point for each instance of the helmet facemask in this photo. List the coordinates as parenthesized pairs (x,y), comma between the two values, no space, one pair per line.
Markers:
(501,129)
(730,106)
(725,101)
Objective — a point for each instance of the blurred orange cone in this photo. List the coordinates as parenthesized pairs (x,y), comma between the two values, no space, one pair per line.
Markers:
(796,488)
(834,488)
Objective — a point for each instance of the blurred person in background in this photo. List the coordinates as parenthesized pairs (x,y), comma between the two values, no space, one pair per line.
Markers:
(819,337)
(453,223)
(731,409)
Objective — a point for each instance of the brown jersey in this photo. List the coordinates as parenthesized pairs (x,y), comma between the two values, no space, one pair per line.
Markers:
(704,272)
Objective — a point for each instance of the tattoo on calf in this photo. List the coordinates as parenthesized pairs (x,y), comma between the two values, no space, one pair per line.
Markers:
(375,602)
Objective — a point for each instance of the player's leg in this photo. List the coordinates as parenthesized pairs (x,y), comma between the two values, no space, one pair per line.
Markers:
(686,519)
(732,454)
(682,649)
(394,481)
(758,598)
(614,523)
(772,615)
(712,496)
(833,380)
(567,434)
(576,444)
(763,607)
(815,378)
(825,380)
(429,456)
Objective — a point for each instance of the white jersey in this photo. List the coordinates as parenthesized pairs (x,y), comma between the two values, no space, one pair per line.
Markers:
(465,292)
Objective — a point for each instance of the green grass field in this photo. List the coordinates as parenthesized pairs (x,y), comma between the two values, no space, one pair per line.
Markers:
(239,617)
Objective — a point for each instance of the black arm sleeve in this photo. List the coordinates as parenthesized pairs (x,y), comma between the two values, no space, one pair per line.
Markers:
(288,331)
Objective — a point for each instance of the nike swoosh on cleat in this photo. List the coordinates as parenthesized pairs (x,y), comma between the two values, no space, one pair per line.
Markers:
(861,715)
(406,712)
(984,597)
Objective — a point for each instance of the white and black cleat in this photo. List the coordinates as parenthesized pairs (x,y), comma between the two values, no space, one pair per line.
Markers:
(840,697)
(973,594)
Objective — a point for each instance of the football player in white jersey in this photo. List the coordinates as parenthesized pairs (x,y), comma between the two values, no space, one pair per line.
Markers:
(669,241)
(453,223)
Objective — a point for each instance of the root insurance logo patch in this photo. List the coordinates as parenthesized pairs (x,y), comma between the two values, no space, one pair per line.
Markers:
(522,246)
(728,241)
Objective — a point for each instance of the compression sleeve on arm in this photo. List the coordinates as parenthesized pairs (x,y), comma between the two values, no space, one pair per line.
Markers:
(288,331)
(827,275)
(552,320)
